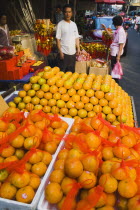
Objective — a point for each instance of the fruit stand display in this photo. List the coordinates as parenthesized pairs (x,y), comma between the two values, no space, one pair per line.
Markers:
(75,95)
(44,36)
(97,168)
(28,149)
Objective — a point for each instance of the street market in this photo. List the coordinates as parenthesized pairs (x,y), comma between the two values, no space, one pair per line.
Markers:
(69,105)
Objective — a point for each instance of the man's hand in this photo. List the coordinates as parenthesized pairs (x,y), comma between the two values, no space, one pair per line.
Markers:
(78,52)
(118,58)
(61,55)
(103,26)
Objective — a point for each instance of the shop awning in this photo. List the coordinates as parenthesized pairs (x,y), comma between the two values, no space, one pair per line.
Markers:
(110,1)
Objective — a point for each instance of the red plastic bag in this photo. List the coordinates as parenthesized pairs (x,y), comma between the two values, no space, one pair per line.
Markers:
(117,71)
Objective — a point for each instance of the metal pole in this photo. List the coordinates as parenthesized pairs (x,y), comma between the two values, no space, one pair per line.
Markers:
(68,1)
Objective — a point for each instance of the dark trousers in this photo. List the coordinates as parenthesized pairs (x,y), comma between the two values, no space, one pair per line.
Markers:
(113,62)
(68,63)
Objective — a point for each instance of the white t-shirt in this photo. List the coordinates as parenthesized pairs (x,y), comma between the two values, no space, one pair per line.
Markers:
(67,33)
(138,20)
(119,37)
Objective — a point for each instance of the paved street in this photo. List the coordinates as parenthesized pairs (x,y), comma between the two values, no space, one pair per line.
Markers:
(131,66)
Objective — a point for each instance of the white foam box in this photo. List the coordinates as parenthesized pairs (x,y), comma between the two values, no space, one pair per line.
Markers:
(6,204)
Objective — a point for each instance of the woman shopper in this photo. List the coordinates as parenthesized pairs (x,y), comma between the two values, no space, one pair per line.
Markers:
(4,31)
(119,40)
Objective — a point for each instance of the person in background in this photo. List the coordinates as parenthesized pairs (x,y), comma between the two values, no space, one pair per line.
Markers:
(4,31)
(67,41)
(138,23)
(58,15)
(119,40)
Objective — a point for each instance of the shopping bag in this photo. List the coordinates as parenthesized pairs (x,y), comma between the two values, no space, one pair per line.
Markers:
(117,71)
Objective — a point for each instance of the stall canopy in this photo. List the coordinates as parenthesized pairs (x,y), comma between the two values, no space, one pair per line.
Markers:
(110,1)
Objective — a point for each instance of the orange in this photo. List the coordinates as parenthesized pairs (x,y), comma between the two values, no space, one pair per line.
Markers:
(1,159)
(19,153)
(56,176)
(51,102)
(30,130)
(35,87)
(70,104)
(48,75)
(75,98)
(88,107)
(57,96)
(63,154)
(29,107)
(59,164)
(79,105)
(3,126)
(93,141)
(31,93)
(94,100)
(50,147)
(107,207)
(81,92)
(56,124)
(53,89)
(47,68)
(18,141)
(77,85)
(107,110)
(48,95)
(133,203)
(67,184)
(129,140)
(8,191)
(103,102)
(97,108)
(21,105)
(46,109)
(71,91)
(73,112)
(91,114)
(27,87)
(102,201)
(8,151)
(117,111)
(99,94)
(28,166)
(95,123)
(38,107)
(53,193)
(34,79)
(85,99)
(39,169)
(51,81)
(60,204)
(121,152)
(82,203)
(65,97)
(108,182)
(82,113)
(20,180)
(74,153)
(22,93)
(73,167)
(111,118)
(90,93)
(107,153)
(47,157)
(64,111)
(109,96)
(40,93)
(113,104)
(45,87)
(88,179)
(90,163)
(43,101)
(25,194)
(127,188)
(111,199)
(12,104)
(62,90)
(36,157)
(10,159)
(34,181)
(60,104)
(59,131)
(27,99)
(59,82)
(30,142)
(3,134)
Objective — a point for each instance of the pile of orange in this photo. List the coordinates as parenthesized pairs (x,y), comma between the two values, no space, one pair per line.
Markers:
(72,94)
(98,168)
(26,149)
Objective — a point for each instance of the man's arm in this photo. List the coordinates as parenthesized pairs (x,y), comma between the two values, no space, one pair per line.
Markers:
(59,48)
(78,46)
(120,51)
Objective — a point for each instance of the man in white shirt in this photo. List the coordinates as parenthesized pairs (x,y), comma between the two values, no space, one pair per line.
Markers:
(67,41)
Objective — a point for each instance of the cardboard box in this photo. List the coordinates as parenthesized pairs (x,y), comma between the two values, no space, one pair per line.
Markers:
(99,71)
(3,106)
(81,67)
